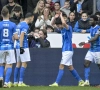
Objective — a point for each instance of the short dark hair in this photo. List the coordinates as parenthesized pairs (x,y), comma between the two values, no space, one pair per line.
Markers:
(84,13)
(17,9)
(58,21)
(57,2)
(94,17)
(28,15)
(5,12)
(44,32)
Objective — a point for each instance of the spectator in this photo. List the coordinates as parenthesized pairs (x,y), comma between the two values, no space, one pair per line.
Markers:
(49,29)
(66,7)
(80,6)
(61,2)
(44,19)
(82,25)
(50,4)
(57,8)
(39,40)
(98,5)
(72,20)
(10,6)
(37,12)
(17,15)
(31,4)
(36,30)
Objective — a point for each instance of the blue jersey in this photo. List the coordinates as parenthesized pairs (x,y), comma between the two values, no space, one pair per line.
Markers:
(22,27)
(7,30)
(67,39)
(95,46)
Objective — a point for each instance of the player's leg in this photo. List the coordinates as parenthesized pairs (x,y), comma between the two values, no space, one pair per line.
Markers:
(65,60)
(75,75)
(17,68)
(88,59)
(2,65)
(10,59)
(25,57)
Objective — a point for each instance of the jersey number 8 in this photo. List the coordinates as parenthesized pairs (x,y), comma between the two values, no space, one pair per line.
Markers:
(5,32)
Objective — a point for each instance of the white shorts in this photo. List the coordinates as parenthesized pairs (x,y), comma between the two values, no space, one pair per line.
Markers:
(7,56)
(18,55)
(93,57)
(25,57)
(67,58)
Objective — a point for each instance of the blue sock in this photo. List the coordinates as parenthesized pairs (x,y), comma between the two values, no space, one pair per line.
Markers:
(60,74)
(87,71)
(8,74)
(1,71)
(75,74)
(22,70)
(16,71)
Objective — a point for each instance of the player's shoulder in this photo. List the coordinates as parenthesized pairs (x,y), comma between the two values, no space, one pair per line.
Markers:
(12,23)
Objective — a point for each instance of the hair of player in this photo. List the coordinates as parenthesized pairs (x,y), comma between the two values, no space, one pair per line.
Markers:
(58,21)
(4,12)
(94,17)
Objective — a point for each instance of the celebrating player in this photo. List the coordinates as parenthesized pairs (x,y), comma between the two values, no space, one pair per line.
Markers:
(94,52)
(23,54)
(67,50)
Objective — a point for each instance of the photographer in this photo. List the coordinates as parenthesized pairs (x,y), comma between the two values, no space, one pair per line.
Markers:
(38,40)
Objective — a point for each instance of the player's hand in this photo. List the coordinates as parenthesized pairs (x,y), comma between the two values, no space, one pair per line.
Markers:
(21,50)
(81,43)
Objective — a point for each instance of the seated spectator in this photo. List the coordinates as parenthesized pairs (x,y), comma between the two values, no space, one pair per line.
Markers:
(49,4)
(61,2)
(71,20)
(17,15)
(82,25)
(10,6)
(66,7)
(36,30)
(44,19)
(39,40)
(49,29)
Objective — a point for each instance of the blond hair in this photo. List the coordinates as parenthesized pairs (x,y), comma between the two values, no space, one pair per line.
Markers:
(36,8)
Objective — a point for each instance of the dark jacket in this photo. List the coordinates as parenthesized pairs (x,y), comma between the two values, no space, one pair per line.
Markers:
(87,6)
(15,19)
(82,25)
(72,24)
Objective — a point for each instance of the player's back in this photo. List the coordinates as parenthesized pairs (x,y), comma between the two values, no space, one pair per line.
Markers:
(7,29)
(23,27)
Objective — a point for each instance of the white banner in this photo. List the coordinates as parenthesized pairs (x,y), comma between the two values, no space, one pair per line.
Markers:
(56,39)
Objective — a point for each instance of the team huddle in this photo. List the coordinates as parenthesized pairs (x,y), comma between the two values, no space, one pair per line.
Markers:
(10,34)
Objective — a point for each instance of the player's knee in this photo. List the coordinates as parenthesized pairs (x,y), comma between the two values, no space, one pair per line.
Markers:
(61,66)
(87,63)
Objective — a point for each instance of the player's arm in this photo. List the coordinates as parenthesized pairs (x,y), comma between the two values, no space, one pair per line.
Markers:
(63,21)
(21,39)
(92,39)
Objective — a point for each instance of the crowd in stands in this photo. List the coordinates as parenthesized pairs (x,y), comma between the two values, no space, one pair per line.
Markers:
(76,12)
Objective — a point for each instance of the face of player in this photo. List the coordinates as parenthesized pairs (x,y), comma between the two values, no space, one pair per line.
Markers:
(84,16)
(10,1)
(91,22)
(31,19)
(57,6)
(41,34)
(72,16)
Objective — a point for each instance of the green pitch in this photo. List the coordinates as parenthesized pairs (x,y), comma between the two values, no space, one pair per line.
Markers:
(51,88)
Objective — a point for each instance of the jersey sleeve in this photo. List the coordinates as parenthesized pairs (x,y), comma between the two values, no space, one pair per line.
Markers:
(98,31)
(24,29)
